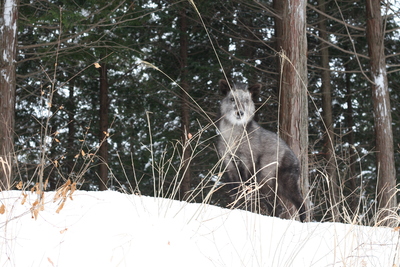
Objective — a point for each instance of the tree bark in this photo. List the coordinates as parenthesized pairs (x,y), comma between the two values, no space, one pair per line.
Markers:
(386,173)
(103,134)
(329,138)
(8,52)
(293,114)
(185,122)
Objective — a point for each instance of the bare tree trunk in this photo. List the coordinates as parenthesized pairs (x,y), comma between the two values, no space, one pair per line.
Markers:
(386,173)
(185,122)
(329,138)
(103,150)
(8,52)
(293,120)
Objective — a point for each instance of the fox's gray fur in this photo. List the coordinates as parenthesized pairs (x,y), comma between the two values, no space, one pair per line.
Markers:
(250,153)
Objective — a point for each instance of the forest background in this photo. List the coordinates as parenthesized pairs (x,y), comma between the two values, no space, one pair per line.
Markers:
(124,95)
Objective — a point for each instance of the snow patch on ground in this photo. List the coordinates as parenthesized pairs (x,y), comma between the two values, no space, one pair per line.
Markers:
(114,229)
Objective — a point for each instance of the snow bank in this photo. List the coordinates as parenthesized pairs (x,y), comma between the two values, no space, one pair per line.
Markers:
(114,229)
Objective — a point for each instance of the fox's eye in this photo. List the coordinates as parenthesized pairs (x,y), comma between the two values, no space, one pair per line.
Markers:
(232,99)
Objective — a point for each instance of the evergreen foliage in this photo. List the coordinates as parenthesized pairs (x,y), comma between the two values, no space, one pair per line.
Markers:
(58,91)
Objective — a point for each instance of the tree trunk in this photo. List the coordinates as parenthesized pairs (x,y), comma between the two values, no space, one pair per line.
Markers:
(293,114)
(103,150)
(186,152)
(385,166)
(329,138)
(293,120)
(8,51)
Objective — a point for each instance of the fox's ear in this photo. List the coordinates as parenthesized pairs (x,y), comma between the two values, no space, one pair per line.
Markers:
(255,91)
(224,87)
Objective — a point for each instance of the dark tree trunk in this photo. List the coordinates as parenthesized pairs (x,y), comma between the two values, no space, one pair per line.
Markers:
(329,138)
(293,115)
(185,122)
(386,173)
(8,48)
(103,134)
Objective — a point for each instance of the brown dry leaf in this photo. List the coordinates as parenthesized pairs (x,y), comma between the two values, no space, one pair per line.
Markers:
(20,185)
(72,190)
(35,210)
(62,191)
(60,207)
(49,104)
(35,213)
(55,139)
(83,153)
(24,198)
(2,209)
(76,156)
(51,262)
(56,163)
(66,190)
(190,136)
(38,191)
(63,231)
(58,195)
(33,188)
(41,207)
(396,228)
(96,65)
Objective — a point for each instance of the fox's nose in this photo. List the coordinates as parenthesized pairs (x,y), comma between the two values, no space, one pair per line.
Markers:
(240,113)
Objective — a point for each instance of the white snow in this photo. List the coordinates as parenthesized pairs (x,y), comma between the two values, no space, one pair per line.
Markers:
(7,12)
(9,21)
(379,81)
(381,91)
(114,229)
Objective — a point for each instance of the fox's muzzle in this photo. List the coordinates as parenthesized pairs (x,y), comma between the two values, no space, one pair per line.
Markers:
(239,114)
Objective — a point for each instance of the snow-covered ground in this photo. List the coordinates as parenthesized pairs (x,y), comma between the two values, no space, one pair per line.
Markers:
(115,229)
